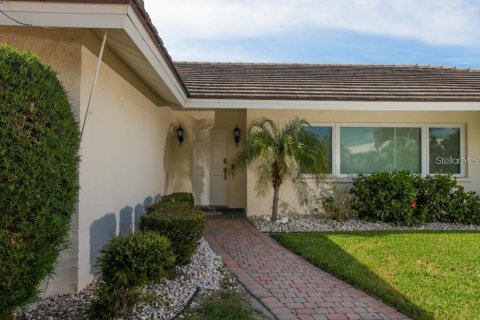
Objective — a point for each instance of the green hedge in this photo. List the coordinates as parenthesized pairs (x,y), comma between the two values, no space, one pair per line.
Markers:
(183,197)
(404,198)
(182,225)
(39,140)
(125,265)
(388,197)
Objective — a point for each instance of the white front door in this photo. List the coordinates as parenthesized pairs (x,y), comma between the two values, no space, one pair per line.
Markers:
(209,175)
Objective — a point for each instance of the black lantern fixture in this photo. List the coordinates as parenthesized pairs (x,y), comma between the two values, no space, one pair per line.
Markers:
(180,134)
(236,135)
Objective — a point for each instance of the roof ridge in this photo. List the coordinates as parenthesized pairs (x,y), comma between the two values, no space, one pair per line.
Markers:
(411,66)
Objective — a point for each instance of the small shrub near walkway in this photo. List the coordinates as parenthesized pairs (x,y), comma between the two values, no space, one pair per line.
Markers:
(223,305)
(126,264)
(182,225)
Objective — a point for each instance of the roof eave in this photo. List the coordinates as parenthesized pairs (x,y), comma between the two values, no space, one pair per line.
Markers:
(103,14)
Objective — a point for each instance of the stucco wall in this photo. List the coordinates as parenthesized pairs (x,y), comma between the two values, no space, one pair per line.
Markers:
(60,49)
(288,203)
(125,156)
(181,178)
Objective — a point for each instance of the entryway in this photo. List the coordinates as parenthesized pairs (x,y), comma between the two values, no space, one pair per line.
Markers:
(209,167)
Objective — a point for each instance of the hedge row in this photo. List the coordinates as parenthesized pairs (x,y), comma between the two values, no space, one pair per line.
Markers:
(404,198)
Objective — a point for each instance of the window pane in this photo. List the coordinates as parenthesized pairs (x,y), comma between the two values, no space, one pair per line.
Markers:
(408,155)
(373,149)
(444,150)
(324,134)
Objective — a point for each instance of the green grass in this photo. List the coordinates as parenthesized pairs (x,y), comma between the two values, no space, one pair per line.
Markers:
(222,305)
(426,275)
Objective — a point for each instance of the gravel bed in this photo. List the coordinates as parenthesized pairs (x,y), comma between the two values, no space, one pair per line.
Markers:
(312,223)
(205,272)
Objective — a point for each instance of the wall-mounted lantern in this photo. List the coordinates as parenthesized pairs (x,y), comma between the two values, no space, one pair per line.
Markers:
(236,135)
(180,134)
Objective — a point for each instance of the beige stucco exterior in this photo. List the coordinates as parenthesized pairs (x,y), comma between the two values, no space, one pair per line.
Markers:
(288,203)
(183,157)
(125,150)
(124,155)
(130,155)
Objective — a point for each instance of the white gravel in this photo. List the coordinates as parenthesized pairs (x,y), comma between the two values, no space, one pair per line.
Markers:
(312,223)
(206,272)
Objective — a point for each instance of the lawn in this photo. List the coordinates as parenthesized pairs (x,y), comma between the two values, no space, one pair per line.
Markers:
(426,275)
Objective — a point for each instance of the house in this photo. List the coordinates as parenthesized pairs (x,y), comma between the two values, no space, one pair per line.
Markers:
(421,118)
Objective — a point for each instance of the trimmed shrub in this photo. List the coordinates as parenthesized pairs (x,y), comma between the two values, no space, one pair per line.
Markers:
(404,198)
(435,195)
(388,197)
(39,140)
(465,207)
(183,197)
(182,225)
(125,265)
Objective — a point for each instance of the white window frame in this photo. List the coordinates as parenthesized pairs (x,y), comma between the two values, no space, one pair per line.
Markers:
(424,141)
(463,173)
(332,126)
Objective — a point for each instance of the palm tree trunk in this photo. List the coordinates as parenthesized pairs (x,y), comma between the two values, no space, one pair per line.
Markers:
(276,189)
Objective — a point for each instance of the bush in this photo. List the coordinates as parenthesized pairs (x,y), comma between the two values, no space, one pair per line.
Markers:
(435,195)
(39,140)
(388,197)
(182,225)
(183,197)
(335,205)
(465,207)
(125,265)
(403,198)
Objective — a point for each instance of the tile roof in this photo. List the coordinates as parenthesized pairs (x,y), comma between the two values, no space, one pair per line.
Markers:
(329,82)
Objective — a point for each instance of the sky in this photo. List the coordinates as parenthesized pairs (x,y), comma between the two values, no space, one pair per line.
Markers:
(428,32)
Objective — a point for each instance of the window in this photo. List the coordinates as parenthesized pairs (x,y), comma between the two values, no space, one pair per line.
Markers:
(445,150)
(324,134)
(352,149)
(373,149)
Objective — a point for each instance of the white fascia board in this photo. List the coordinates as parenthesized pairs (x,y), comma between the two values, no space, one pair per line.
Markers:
(68,15)
(135,29)
(94,16)
(331,105)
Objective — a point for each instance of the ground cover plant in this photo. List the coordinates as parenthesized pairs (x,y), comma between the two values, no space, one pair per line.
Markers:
(426,275)
(223,305)
(39,140)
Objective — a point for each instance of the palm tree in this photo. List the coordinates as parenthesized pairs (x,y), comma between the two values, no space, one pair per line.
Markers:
(283,154)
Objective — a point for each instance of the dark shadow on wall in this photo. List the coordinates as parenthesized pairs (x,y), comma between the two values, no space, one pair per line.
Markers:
(126,221)
(105,228)
(101,232)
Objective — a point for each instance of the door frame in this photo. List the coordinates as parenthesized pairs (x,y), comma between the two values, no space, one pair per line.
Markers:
(209,177)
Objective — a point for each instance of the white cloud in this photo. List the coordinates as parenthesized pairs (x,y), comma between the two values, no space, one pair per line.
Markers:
(450,22)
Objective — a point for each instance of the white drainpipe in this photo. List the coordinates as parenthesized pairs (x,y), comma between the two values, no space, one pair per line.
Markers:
(94,82)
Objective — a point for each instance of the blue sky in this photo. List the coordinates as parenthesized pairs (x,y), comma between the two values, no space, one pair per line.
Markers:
(436,32)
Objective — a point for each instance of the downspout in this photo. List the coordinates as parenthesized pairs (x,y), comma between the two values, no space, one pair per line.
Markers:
(94,82)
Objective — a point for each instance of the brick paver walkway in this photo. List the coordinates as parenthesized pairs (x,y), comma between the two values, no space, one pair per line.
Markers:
(290,287)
